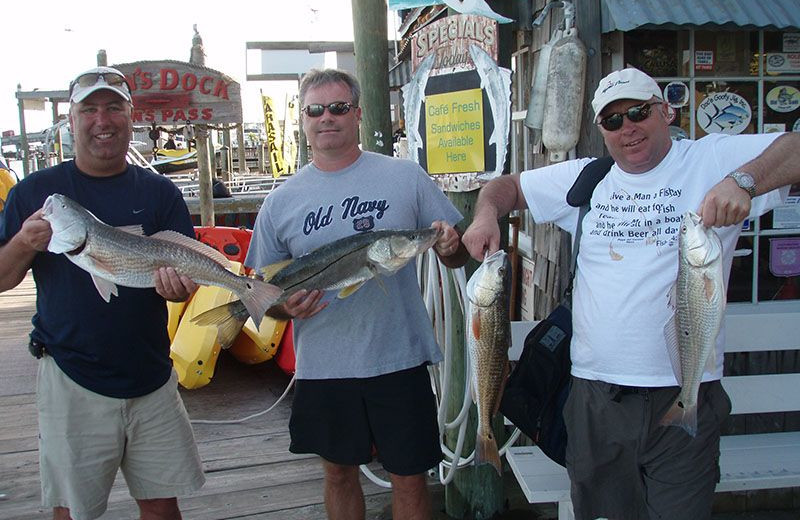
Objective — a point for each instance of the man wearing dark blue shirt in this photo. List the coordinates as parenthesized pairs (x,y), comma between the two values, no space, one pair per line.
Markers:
(106,392)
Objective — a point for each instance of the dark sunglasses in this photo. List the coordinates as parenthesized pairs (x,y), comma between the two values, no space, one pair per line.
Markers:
(111,79)
(336,108)
(636,114)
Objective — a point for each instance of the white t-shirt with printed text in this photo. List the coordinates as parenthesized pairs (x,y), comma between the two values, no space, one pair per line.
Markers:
(628,259)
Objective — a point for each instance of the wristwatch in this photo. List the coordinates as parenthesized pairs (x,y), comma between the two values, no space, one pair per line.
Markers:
(745,181)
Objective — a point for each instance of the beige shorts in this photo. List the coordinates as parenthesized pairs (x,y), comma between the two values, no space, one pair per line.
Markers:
(85,437)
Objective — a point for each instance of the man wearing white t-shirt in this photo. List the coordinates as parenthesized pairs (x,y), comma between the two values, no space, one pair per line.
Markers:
(622,463)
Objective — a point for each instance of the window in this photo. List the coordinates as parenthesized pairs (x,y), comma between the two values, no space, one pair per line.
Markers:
(717,81)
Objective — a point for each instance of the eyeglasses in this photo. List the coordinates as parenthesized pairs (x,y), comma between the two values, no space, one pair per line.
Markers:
(337,108)
(111,79)
(636,114)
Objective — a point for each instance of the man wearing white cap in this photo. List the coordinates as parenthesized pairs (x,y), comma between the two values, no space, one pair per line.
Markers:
(622,462)
(106,392)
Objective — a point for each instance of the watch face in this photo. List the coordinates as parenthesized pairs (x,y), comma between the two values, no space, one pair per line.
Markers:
(745,180)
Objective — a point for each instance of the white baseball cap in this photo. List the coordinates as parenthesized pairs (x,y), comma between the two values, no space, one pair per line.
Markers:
(96,79)
(627,83)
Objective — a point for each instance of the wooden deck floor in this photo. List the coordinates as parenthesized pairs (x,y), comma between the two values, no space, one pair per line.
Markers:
(249,470)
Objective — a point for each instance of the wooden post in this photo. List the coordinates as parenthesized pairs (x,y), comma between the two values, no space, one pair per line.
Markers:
(59,152)
(587,21)
(262,160)
(204,176)
(204,164)
(23,135)
(226,157)
(372,69)
(475,492)
(241,148)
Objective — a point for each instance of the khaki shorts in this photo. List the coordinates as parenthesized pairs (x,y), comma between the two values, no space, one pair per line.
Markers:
(85,437)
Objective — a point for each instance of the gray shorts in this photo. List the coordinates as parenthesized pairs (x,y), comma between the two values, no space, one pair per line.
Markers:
(84,438)
(623,465)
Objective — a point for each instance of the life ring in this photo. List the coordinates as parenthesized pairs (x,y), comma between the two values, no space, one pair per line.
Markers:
(230,241)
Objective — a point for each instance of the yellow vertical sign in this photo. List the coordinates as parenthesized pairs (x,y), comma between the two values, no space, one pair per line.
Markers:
(454,132)
(274,141)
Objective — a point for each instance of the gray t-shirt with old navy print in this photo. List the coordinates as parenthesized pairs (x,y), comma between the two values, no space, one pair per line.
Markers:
(382,327)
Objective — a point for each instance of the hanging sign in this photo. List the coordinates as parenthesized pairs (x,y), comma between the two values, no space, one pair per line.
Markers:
(458,102)
(724,112)
(454,131)
(175,92)
(274,141)
(784,256)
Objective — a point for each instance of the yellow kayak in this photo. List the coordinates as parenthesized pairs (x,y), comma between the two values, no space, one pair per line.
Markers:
(7,181)
(258,345)
(194,348)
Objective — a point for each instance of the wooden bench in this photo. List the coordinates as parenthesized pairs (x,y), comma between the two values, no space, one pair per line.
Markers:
(748,461)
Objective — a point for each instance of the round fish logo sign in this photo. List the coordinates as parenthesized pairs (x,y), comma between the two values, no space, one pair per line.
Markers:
(784,98)
(724,112)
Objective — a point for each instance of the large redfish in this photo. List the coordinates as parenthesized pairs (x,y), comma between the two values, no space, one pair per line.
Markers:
(488,339)
(699,300)
(123,256)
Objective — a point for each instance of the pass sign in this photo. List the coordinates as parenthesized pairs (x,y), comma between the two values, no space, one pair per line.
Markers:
(454,132)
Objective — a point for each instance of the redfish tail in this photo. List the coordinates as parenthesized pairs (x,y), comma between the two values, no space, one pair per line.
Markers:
(486,451)
(681,415)
(258,297)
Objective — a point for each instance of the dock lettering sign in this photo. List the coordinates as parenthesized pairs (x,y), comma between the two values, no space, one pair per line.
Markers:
(175,92)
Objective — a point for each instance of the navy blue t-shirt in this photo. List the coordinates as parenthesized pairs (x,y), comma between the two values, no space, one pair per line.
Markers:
(121,348)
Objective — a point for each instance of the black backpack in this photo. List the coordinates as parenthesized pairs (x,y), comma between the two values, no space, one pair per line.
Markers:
(539,385)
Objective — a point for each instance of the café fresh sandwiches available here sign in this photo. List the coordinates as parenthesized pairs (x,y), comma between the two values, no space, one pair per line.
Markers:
(454,132)
(175,92)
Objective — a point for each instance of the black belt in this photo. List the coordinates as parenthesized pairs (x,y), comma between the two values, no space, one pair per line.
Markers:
(619,390)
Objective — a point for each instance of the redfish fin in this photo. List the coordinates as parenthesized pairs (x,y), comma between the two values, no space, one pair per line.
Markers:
(194,245)
(486,452)
(678,415)
(105,287)
(673,349)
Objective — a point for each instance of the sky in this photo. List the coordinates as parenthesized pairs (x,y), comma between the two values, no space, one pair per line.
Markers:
(47,43)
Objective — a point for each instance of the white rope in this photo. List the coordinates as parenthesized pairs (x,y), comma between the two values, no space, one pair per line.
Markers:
(262,412)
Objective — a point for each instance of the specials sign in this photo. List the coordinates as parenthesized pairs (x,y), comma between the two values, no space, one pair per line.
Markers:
(175,92)
(449,39)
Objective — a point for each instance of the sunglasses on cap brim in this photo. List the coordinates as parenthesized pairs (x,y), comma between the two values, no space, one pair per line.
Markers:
(336,108)
(636,114)
(112,79)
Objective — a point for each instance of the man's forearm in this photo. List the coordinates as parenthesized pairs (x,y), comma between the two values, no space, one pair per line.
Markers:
(777,166)
(499,197)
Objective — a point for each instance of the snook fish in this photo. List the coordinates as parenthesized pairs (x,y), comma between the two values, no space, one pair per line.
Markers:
(123,256)
(488,339)
(699,301)
(343,265)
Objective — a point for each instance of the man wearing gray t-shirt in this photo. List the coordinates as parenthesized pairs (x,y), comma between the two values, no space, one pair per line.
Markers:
(362,384)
